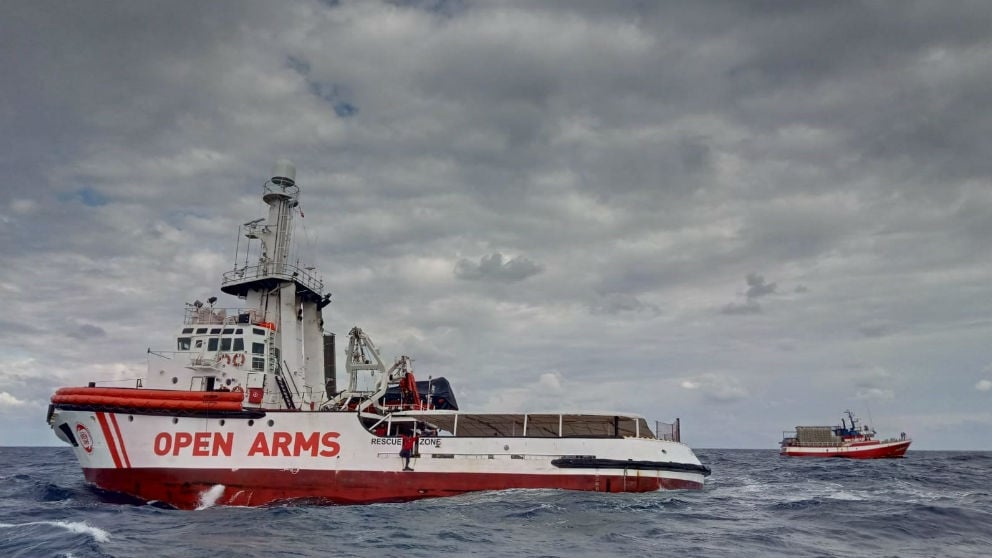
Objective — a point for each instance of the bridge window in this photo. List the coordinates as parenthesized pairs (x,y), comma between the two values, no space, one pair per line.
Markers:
(256,331)
(225,344)
(257,363)
(184,343)
(258,348)
(201,330)
(239,344)
(215,331)
(187,330)
(212,344)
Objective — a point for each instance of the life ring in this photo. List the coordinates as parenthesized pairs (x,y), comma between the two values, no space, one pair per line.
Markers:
(238,359)
(226,358)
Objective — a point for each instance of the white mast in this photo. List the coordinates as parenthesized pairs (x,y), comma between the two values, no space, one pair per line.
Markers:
(287,297)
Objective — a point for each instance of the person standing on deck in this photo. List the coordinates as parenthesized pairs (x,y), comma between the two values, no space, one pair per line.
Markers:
(406,450)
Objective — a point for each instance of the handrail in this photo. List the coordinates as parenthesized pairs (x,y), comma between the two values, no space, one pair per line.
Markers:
(288,272)
(208,315)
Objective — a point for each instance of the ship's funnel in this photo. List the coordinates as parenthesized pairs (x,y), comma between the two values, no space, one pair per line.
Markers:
(284,173)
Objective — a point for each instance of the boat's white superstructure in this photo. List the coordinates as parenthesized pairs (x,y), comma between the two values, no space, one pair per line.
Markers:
(244,409)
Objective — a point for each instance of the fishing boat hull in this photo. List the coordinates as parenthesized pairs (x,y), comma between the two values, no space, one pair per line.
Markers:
(871,450)
(251,458)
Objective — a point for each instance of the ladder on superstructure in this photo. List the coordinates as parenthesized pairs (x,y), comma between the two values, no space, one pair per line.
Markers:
(287,396)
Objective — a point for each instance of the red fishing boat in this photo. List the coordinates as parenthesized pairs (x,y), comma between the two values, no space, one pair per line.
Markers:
(852,440)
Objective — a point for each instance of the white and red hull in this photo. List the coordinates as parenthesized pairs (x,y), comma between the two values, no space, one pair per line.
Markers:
(872,449)
(328,457)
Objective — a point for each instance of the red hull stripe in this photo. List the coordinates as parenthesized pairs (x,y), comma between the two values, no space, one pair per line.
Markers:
(111,445)
(120,439)
(183,488)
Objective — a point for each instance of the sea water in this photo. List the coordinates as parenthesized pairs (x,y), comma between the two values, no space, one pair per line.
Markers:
(756,503)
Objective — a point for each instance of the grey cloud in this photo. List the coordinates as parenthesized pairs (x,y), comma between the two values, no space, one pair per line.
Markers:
(10,329)
(617,303)
(875,329)
(757,287)
(740,309)
(493,268)
(716,387)
(874,393)
(86,331)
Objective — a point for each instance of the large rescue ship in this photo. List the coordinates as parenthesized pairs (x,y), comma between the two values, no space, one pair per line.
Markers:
(244,410)
(854,441)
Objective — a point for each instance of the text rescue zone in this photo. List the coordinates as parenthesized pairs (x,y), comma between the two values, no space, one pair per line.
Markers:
(273,444)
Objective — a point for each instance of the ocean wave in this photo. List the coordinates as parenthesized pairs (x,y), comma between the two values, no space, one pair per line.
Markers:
(209,497)
(756,504)
(97,534)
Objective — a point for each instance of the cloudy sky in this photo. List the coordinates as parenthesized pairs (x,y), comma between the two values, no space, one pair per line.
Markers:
(750,215)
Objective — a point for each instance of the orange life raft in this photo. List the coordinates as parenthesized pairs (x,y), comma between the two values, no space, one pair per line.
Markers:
(157,399)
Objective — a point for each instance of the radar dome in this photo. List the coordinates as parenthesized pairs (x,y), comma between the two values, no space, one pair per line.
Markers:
(284,172)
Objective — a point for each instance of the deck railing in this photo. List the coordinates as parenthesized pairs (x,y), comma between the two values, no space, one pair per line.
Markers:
(288,272)
(201,315)
(668,431)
